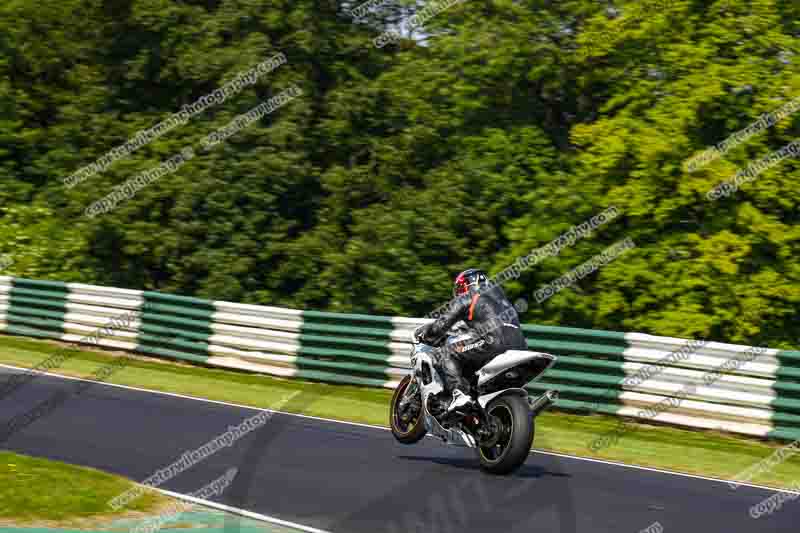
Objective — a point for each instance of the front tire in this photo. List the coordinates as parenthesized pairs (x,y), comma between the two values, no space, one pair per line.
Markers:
(515,436)
(411,430)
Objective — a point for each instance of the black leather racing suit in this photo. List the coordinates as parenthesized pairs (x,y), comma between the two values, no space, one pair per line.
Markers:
(493,325)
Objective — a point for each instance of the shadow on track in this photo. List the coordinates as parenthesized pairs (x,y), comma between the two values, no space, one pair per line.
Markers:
(525,471)
(441,494)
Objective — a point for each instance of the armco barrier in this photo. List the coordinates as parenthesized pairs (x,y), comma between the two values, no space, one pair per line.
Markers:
(757,394)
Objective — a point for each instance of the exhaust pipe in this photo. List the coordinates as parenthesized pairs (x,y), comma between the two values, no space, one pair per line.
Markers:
(543,402)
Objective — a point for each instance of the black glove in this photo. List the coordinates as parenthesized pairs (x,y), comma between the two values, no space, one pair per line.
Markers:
(419,333)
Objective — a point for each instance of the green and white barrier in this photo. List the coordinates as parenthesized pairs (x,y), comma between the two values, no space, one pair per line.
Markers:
(736,389)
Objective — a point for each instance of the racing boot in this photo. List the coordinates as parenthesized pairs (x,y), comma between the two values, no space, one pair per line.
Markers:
(461,402)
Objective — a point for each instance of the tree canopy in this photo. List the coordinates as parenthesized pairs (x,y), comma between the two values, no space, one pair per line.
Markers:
(474,139)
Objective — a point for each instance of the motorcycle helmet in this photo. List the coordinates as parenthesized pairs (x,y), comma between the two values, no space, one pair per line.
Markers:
(472,278)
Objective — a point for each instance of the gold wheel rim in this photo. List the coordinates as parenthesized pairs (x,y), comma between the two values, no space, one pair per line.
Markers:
(395,420)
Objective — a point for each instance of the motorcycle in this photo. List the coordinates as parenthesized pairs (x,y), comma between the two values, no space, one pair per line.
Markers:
(500,424)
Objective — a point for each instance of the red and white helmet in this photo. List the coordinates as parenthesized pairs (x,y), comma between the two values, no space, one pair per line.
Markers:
(472,278)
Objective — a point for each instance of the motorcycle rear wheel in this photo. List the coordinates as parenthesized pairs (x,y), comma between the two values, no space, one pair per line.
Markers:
(516,435)
(405,432)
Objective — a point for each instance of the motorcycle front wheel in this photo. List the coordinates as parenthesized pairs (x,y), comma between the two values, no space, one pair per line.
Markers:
(407,427)
(515,435)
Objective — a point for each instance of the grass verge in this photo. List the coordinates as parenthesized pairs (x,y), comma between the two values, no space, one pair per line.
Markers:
(41,493)
(697,452)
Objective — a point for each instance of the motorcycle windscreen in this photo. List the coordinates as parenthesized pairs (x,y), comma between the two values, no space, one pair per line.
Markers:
(513,369)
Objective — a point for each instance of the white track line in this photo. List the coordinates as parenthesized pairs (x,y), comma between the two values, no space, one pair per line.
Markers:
(241,512)
(383,428)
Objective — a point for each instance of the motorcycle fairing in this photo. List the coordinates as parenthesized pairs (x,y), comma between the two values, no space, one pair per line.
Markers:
(534,363)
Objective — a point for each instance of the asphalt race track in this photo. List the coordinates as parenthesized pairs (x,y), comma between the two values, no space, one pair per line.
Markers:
(347,478)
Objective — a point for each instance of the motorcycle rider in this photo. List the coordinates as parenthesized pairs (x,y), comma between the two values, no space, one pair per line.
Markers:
(493,327)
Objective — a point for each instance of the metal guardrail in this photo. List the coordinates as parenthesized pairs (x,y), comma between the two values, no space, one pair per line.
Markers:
(754,392)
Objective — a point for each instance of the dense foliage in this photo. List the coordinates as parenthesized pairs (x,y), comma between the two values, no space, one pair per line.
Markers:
(479,137)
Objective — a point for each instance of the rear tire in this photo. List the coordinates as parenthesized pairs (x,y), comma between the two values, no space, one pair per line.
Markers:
(514,444)
(412,431)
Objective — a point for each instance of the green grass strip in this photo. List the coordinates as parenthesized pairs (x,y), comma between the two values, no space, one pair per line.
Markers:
(35,490)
